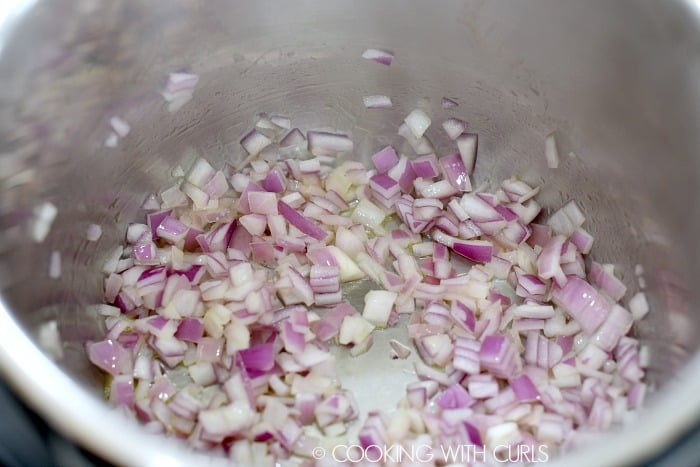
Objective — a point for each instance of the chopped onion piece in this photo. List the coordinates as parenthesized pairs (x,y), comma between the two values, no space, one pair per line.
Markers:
(385,159)
(181,81)
(454,127)
(50,339)
(300,222)
(417,121)
(380,56)
(112,140)
(551,152)
(378,306)
(448,103)
(43,216)
(93,232)
(467,145)
(400,350)
(254,142)
(322,143)
(377,102)
(55,264)
(120,127)
(639,306)
(224,303)
(354,330)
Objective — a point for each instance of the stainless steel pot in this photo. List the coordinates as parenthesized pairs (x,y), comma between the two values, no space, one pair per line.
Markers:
(619,83)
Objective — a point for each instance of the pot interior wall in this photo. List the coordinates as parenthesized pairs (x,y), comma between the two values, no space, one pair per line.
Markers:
(614,80)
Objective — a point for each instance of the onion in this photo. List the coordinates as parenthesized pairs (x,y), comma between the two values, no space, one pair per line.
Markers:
(551,152)
(639,306)
(323,143)
(120,127)
(254,142)
(226,301)
(380,56)
(583,303)
(455,171)
(467,144)
(606,280)
(300,222)
(454,127)
(378,306)
(178,89)
(43,216)
(418,122)
(448,103)
(55,264)
(377,102)
(112,140)
(49,339)
(93,232)
(479,251)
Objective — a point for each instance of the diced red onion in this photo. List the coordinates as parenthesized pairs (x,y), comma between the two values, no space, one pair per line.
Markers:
(55,264)
(479,251)
(43,216)
(523,388)
(455,397)
(548,261)
(321,143)
(638,305)
(181,81)
(210,305)
(448,103)
(418,122)
(551,152)
(421,145)
(583,303)
(120,127)
(377,102)
(456,173)
(300,222)
(607,281)
(567,219)
(497,355)
(112,140)
(380,56)
(385,159)
(254,142)
(110,357)
(294,138)
(454,127)
(467,145)
(385,186)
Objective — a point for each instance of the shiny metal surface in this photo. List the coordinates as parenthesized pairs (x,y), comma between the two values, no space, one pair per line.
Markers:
(618,81)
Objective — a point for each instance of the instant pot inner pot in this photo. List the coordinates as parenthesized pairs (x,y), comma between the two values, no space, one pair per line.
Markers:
(614,81)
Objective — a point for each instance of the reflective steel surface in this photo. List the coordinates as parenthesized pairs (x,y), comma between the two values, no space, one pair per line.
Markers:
(619,83)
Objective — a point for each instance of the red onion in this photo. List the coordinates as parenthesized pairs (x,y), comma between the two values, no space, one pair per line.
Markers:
(377,102)
(551,152)
(43,216)
(300,222)
(455,171)
(467,145)
(227,299)
(605,279)
(418,122)
(323,143)
(120,127)
(448,103)
(454,127)
(380,56)
(55,264)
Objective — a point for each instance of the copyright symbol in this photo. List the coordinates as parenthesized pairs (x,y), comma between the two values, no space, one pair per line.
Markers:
(318,452)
